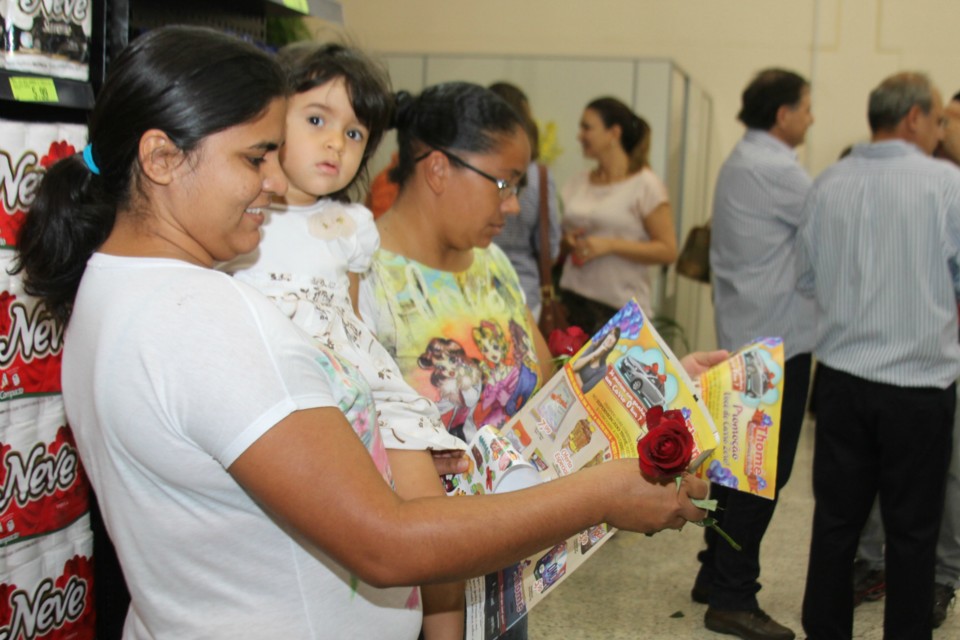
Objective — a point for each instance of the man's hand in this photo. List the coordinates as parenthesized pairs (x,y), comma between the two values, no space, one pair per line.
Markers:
(700,361)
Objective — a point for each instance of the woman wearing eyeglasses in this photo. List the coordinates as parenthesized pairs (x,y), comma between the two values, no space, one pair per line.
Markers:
(437,279)
(617,218)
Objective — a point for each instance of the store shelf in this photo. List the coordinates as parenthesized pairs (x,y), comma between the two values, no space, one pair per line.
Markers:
(17,86)
(329,10)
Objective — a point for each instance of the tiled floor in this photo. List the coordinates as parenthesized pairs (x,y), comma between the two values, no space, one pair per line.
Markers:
(638,587)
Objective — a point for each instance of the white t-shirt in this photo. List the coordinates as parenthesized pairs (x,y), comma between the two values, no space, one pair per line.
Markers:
(302,264)
(617,210)
(170,371)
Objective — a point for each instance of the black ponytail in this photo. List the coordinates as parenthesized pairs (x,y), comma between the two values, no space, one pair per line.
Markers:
(634,130)
(67,221)
(452,115)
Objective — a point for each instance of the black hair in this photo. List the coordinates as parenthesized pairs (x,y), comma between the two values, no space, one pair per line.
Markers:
(890,102)
(310,64)
(517,99)
(452,115)
(769,90)
(634,130)
(190,83)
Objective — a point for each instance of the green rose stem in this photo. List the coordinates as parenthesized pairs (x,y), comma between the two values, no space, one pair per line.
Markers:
(710,505)
(561,360)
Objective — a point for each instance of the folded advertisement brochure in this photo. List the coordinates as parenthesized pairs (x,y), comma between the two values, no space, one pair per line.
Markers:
(593,410)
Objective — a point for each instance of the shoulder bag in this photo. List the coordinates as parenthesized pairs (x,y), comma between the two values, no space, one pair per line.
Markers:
(553,314)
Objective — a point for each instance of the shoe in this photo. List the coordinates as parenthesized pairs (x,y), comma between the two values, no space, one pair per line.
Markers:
(700,594)
(749,625)
(869,584)
(943,597)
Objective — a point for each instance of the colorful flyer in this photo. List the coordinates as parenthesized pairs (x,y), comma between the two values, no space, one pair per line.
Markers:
(744,396)
(591,411)
(624,371)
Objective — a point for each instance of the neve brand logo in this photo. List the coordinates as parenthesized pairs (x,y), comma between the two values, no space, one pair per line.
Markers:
(55,609)
(41,490)
(19,180)
(31,341)
(72,10)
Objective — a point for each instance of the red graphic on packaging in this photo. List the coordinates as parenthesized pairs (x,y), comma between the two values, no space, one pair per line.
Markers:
(757,433)
(42,490)
(31,341)
(19,179)
(55,609)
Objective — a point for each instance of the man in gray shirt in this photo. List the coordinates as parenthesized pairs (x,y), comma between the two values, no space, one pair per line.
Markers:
(881,228)
(758,206)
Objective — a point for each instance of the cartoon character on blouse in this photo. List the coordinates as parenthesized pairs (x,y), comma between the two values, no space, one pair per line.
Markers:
(499,380)
(528,377)
(458,381)
(353,397)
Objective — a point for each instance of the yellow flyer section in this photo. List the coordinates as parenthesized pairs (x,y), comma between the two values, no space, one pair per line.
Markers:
(591,411)
(626,369)
(744,396)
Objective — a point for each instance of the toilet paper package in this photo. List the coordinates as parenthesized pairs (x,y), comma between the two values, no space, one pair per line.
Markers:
(47,37)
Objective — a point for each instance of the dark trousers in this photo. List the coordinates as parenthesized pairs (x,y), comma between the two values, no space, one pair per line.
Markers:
(732,576)
(876,438)
(585,313)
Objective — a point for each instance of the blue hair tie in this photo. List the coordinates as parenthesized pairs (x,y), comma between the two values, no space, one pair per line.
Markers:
(88,160)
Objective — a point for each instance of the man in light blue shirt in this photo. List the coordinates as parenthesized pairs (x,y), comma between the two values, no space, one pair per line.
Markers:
(881,227)
(758,206)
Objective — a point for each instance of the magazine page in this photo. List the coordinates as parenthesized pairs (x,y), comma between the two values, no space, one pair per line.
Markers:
(592,410)
(744,396)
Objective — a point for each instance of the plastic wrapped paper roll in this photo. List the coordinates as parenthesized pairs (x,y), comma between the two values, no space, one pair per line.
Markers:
(47,38)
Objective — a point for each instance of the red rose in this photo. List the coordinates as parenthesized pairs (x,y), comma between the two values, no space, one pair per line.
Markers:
(667,448)
(566,342)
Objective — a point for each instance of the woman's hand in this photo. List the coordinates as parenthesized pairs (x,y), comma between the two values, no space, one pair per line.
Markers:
(648,507)
(587,248)
(698,362)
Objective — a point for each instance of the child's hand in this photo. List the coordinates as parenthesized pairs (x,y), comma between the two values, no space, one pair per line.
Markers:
(450,462)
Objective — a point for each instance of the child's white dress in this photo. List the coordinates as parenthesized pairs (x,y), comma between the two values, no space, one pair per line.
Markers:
(302,264)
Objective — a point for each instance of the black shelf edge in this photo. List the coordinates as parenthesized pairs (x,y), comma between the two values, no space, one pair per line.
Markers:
(73,94)
(329,10)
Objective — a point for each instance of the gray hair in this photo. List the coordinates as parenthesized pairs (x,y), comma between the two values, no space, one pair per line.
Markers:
(894,98)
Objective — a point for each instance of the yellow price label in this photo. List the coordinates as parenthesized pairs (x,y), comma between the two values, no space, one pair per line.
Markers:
(33,89)
(297,5)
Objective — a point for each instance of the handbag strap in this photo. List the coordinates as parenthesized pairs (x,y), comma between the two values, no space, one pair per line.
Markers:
(546,279)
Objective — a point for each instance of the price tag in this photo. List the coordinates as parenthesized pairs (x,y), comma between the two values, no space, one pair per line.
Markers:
(33,89)
(297,5)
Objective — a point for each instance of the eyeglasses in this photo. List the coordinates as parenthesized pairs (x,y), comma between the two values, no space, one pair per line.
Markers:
(507,190)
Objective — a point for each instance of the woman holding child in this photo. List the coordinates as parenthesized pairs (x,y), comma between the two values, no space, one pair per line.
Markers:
(236,461)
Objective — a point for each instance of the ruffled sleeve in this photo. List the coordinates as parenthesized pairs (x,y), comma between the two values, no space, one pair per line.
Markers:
(359,247)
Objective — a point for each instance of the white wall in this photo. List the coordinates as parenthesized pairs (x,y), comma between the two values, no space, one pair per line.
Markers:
(845,47)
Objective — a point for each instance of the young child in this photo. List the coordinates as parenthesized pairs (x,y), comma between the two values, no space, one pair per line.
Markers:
(315,243)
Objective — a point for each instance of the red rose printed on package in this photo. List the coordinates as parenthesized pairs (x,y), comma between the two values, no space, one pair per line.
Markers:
(31,341)
(56,608)
(42,490)
(666,450)
(19,179)
(58,150)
